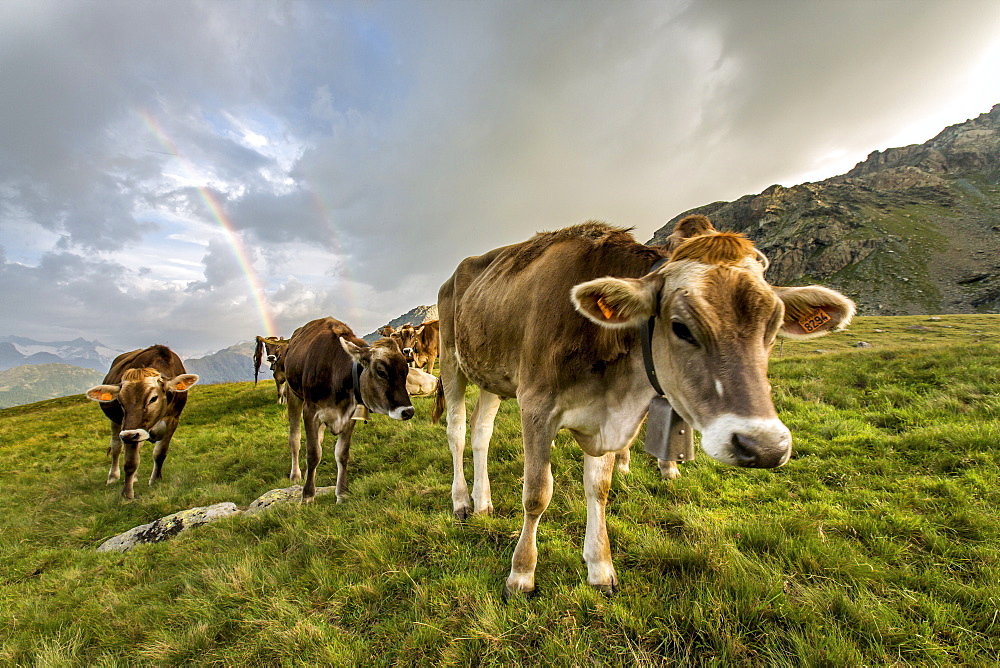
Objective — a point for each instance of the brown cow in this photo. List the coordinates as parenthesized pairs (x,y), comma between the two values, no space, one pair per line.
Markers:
(319,366)
(275,349)
(420,344)
(143,396)
(554,321)
(385,330)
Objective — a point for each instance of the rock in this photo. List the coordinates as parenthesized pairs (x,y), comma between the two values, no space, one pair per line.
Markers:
(863,344)
(285,495)
(934,317)
(168,527)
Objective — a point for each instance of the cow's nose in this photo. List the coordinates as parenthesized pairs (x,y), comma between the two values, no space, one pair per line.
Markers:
(745,450)
(407,413)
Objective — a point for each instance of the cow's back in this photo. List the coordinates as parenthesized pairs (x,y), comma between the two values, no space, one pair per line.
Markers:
(316,365)
(508,313)
(158,357)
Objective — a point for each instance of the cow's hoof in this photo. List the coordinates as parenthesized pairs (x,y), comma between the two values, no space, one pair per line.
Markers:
(463,513)
(607,590)
(507,594)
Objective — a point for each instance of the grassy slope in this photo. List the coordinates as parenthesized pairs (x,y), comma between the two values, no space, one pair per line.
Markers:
(877,544)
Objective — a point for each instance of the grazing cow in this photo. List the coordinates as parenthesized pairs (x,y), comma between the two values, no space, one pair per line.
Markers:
(143,396)
(329,372)
(554,321)
(275,349)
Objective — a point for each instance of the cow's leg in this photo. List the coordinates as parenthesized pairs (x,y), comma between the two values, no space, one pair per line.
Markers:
(115,448)
(668,470)
(294,434)
(430,363)
(315,429)
(343,454)
(482,430)
(454,383)
(623,460)
(160,450)
(596,547)
(131,467)
(537,493)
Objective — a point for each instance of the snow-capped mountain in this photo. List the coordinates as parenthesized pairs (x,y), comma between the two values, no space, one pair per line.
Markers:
(18,350)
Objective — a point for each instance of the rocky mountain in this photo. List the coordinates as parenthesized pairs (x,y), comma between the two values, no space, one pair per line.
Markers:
(18,350)
(909,230)
(414,316)
(28,383)
(230,365)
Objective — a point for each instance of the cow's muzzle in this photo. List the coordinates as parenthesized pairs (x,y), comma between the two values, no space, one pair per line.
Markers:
(133,435)
(748,442)
(401,413)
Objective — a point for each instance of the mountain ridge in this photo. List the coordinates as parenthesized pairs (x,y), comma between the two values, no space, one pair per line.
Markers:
(908,230)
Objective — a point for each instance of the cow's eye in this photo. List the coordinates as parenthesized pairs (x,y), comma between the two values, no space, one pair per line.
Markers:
(682,332)
(153,399)
(382,374)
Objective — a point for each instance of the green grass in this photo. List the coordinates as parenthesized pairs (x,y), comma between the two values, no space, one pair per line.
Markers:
(877,544)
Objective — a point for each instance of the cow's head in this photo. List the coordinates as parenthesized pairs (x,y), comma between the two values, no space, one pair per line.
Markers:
(716,319)
(383,379)
(406,337)
(144,395)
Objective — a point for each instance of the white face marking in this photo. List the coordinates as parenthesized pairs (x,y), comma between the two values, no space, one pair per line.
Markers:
(771,435)
(397,413)
(718,387)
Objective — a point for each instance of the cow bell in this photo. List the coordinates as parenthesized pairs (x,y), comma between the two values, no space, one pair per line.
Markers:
(668,436)
(360,413)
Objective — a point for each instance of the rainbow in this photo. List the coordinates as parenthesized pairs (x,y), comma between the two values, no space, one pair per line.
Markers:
(230,232)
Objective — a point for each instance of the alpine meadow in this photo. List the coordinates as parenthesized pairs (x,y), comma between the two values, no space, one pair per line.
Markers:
(878,543)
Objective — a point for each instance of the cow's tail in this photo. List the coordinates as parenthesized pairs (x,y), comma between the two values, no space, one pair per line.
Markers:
(258,354)
(439,404)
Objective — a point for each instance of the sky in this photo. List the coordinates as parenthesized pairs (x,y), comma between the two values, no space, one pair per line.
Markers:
(196,173)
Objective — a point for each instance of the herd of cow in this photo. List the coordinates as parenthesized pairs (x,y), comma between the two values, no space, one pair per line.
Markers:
(584,326)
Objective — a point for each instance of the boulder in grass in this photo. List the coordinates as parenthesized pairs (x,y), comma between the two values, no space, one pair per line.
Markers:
(285,495)
(168,527)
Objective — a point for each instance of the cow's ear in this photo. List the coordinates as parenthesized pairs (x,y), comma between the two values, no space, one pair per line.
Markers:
(181,383)
(617,302)
(356,352)
(103,393)
(813,311)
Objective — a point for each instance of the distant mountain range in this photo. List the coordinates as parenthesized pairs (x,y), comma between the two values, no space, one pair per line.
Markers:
(18,350)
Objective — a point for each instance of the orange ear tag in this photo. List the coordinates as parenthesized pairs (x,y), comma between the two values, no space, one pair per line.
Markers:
(107,396)
(814,320)
(605,309)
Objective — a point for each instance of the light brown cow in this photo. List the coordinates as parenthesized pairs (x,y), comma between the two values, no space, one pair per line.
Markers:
(385,330)
(143,395)
(420,344)
(318,367)
(553,322)
(274,349)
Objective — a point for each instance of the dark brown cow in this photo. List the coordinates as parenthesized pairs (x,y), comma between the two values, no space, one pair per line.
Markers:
(554,322)
(318,370)
(274,349)
(143,396)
